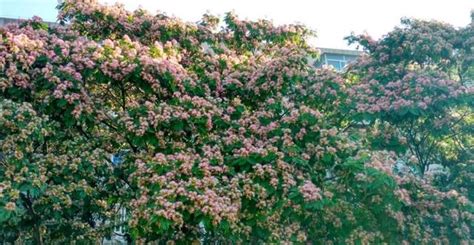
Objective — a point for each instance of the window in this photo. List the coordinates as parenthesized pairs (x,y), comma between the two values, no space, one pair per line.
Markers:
(338,65)
(338,61)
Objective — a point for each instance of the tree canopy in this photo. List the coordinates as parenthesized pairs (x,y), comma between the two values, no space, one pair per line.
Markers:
(223,132)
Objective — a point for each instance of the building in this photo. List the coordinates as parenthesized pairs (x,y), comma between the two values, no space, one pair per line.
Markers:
(337,58)
(4,21)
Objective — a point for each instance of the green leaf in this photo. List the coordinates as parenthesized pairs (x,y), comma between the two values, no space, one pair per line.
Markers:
(4,215)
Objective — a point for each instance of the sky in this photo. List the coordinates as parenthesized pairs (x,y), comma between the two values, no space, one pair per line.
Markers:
(332,20)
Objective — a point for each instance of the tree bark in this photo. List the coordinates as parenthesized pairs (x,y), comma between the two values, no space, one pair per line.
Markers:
(37,235)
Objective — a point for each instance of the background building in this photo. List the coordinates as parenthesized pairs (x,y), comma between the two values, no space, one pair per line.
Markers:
(337,58)
(5,21)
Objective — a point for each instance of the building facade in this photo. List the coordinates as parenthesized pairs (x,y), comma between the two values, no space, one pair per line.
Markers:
(337,58)
(5,21)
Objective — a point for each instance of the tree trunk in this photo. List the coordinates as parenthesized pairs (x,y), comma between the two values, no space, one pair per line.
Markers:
(37,236)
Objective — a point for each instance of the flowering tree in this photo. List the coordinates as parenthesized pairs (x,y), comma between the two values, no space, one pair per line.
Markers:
(413,94)
(416,79)
(219,132)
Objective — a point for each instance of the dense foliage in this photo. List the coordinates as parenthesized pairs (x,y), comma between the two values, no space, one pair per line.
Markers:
(224,133)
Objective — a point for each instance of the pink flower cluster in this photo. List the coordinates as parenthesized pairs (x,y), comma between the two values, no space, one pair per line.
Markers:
(310,192)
